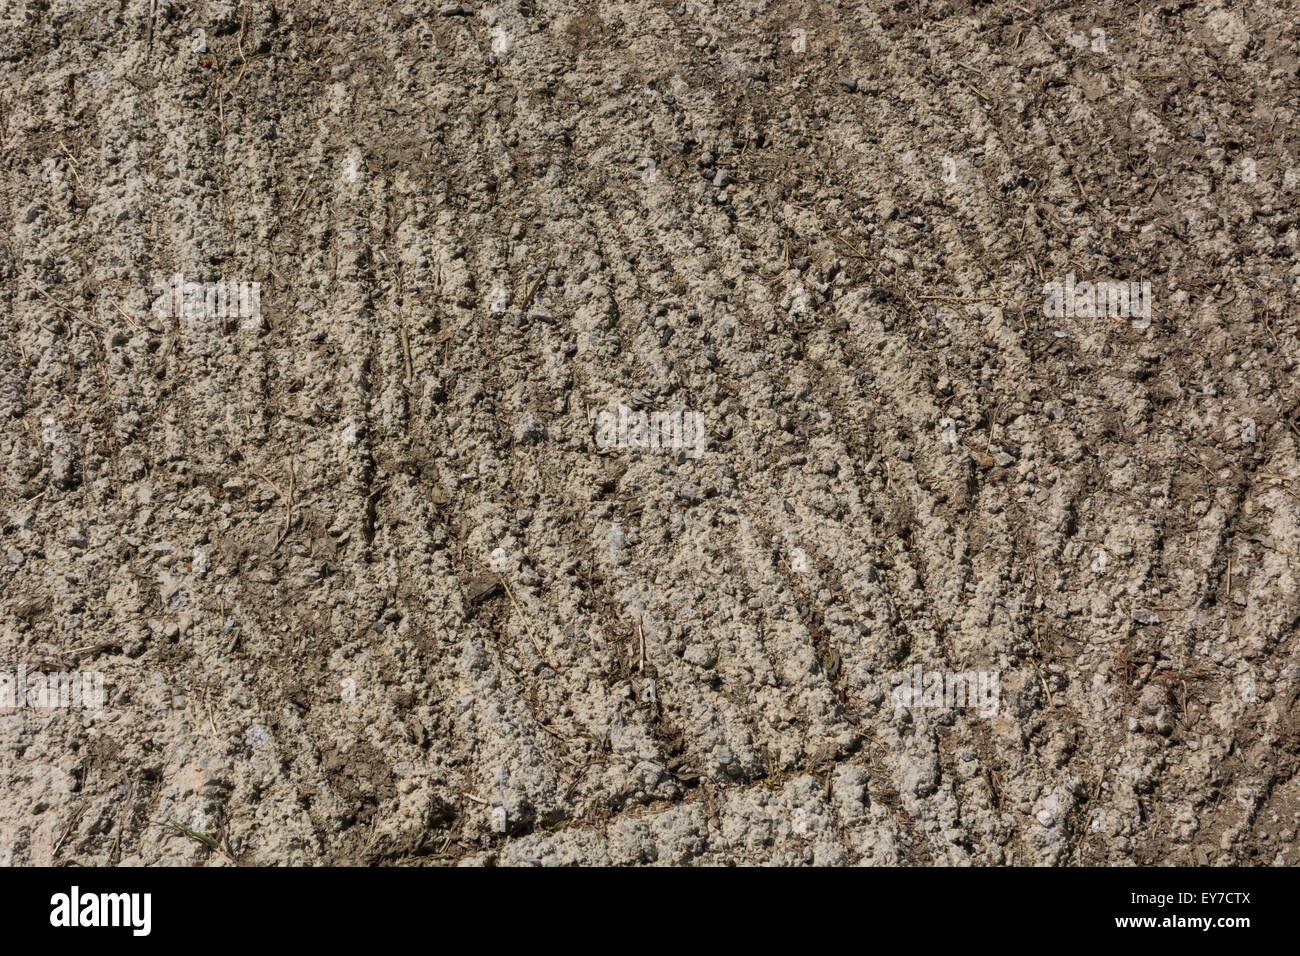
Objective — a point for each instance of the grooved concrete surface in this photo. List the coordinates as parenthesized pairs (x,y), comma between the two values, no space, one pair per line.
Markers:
(372,572)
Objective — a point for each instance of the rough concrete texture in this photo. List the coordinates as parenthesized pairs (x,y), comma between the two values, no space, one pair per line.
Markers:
(368,573)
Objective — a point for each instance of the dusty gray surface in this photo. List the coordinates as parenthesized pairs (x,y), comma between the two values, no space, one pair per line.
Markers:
(477,229)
